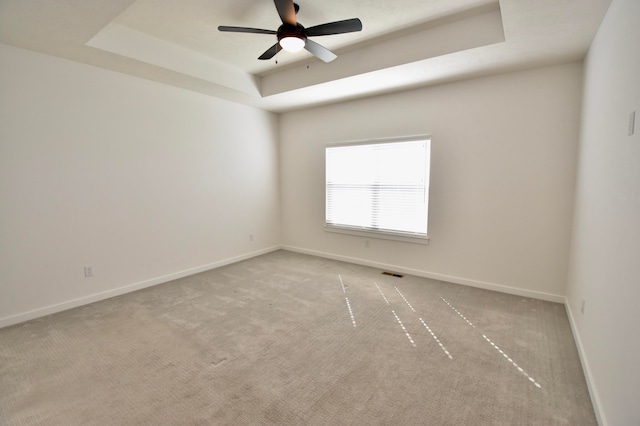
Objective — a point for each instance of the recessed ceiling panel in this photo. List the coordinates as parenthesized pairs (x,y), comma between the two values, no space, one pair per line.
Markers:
(192,24)
(403,44)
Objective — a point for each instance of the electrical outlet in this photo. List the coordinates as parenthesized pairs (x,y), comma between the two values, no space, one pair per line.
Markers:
(88,271)
(582,307)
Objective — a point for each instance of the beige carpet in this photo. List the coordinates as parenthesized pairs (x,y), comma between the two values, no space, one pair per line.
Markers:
(290,339)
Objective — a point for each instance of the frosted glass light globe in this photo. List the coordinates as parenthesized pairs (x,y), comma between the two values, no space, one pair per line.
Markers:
(292,44)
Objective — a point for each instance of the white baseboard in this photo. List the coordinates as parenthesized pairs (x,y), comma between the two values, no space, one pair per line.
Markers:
(92,298)
(426,274)
(52,309)
(593,392)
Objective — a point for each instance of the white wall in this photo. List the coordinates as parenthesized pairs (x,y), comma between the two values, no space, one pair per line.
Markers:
(502,181)
(605,261)
(143,181)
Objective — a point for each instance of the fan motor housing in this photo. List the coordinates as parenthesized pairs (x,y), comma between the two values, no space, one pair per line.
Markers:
(288,30)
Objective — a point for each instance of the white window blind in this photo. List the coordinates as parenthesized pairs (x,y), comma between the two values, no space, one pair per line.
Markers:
(379,187)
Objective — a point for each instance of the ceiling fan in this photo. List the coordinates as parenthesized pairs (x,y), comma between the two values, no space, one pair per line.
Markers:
(292,36)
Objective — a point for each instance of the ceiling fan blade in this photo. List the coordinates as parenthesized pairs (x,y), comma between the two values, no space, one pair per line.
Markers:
(245,30)
(338,27)
(271,52)
(287,11)
(319,51)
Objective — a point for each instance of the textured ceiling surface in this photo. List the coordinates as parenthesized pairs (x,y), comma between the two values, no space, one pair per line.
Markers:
(193,24)
(403,44)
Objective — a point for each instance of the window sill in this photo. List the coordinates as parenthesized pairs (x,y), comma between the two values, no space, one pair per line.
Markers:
(377,234)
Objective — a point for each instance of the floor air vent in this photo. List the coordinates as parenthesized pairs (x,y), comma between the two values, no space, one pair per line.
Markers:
(393,274)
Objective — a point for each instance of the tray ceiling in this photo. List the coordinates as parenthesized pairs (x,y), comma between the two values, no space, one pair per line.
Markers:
(403,44)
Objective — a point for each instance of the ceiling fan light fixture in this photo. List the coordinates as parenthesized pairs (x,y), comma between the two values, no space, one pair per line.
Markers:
(292,36)
(292,43)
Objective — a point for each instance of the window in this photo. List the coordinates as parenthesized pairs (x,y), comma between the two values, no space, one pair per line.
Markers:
(379,187)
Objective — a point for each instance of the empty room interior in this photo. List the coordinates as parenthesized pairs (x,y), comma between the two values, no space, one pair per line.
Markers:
(181,197)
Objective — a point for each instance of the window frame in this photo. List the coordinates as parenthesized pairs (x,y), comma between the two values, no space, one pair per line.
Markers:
(380,234)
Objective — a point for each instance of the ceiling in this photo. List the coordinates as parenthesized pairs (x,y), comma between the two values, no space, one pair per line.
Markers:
(404,43)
